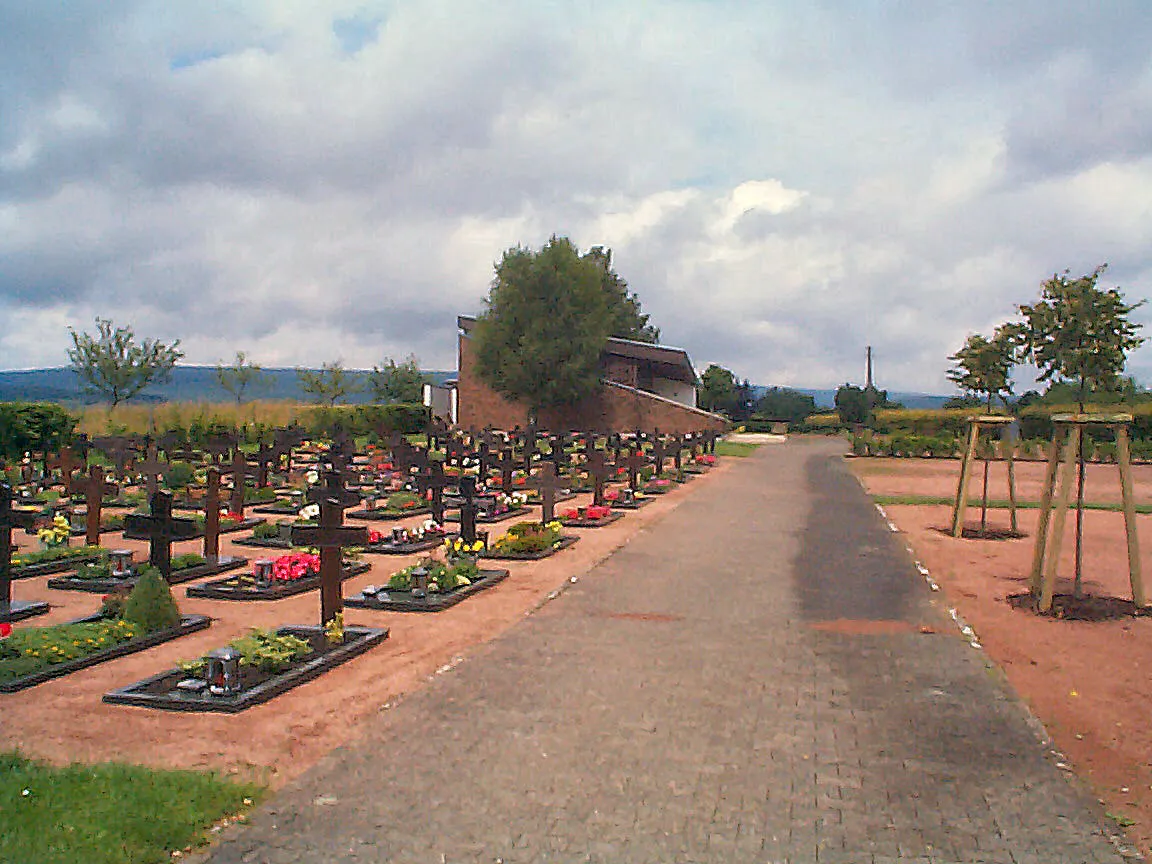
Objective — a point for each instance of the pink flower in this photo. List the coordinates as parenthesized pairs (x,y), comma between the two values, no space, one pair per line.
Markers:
(297,565)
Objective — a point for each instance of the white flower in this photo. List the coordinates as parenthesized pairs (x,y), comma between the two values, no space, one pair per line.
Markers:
(312,477)
(310,512)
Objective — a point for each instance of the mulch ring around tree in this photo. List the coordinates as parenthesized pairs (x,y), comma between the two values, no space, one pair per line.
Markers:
(256,686)
(110,586)
(244,586)
(384,599)
(1088,607)
(562,543)
(188,624)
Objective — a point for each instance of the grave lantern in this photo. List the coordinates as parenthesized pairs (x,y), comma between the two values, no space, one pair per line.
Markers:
(296,498)
(262,570)
(370,501)
(222,671)
(78,519)
(399,534)
(482,536)
(626,496)
(120,562)
(420,582)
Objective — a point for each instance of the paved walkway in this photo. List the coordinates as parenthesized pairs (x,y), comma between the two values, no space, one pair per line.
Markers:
(746,681)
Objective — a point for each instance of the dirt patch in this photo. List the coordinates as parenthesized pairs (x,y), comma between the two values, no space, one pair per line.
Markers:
(1087,680)
(975,532)
(1088,607)
(65,721)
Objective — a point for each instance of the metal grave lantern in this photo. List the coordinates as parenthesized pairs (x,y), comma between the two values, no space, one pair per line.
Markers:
(262,570)
(222,671)
(420,582)
(120,563)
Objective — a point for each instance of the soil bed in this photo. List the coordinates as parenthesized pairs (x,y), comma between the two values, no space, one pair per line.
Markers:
(489,519)
(1087,607)
(62,565)
(160,691)
(188,624)
(240,588)
(109,586)
(383,514)
(388,600)
(390,548)
(591,523)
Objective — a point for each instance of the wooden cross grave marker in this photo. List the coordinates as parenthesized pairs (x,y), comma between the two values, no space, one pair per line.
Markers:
(9,519)
(548,485)
(266,457)
(659,453)
(160,529)
(432,479)
(66,461)
(151,467)
(93,488)
(600,471)
(677,453)
(528,440)
(333,488)
(119,449)
(212,515)
(506,464)
(636,460)
(239,473)
(330,536)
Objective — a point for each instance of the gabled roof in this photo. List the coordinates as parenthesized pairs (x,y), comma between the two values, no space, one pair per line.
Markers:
(672,363)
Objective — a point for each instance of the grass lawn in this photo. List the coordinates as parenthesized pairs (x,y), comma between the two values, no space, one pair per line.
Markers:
(997,503)
(108,813)
(735,448)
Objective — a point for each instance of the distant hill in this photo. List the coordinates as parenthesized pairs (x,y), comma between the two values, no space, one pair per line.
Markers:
(188,384)
(827,398)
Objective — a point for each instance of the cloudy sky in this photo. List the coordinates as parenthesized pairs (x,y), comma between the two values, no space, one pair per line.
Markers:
(781,183)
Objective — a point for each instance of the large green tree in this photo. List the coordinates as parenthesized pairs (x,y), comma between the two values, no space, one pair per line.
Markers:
(1079,333)
(718,390)
(783,405)
(113,365)
(393,382)
(628,321)
(544,325)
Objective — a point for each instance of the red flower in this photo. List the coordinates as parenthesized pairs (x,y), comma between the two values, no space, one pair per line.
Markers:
(594,512)
(375,537)
(571,514)
(5,629)
(297,565)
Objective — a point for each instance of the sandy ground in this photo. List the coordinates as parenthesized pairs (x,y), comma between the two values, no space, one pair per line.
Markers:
(64,720)
(1087,681)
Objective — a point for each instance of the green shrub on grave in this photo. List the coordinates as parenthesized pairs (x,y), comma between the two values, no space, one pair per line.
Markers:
(151,605)
(266,531)
(178,475)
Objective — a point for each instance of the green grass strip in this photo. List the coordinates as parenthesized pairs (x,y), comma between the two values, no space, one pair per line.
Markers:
(735,448)
(997,503)
(108,813)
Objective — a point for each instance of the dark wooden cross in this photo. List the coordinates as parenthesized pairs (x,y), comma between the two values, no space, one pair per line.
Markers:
(659,453)
(677,453)
(267,456)
(119,449)
(161,529)
(432,479)
(529,443)
(9,519)
(330,536)
(483,459)
(556,451)
(212,515)
(507,464)
(151,467)
(93,488)
(635,461)
(468,509)
(238,471)
(599,470)
(333,488)
(548,484)
(66,461)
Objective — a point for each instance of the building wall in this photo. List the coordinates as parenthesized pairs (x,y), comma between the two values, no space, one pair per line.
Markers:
(613,408)
(677,391)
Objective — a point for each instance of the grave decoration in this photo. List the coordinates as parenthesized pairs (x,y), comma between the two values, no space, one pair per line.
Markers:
(13,610)
(529,541)
(625,499)
(28,565)
(592,516)
(428,586)
(496,507)
(599,470)
(398,505)
(701,463)
(251,669)
(405,541)
(296,572)
(126,623)
(94,488)
(548,485)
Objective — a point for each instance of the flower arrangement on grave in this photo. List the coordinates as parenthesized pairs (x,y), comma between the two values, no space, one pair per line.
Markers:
(506,501)
(56,534)
(528,537)
(704,459)
(148,608)
(311,476)
(57,553)
(592,513)
(334,629)
(102,569)
(457,550)
(308,514)
(260,650)
(295,565)
(442,576)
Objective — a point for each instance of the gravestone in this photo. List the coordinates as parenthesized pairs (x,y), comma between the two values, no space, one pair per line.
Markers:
(635,462)
(11,610)
(212,515)
(66,462)
(468,509)
(506,464)
(600,471)
(151,468)
(333,489)
(432,479)
(238,471)
(93,488)
(160,529)
(548,485)
(330,536)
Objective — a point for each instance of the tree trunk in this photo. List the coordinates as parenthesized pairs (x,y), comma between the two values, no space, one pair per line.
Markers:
(1076,583)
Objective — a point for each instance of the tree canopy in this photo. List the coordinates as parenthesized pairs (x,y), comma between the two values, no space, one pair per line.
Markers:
(392,382)
(329,384)
(544,326)
(628,321)
(783,405)
(984,366)
(113,365)
(240,377)
(717,391)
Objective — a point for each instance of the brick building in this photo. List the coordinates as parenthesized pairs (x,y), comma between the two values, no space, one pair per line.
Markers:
(642,386)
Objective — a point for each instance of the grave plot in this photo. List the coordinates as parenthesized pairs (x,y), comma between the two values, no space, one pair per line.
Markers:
(275,662)
(271,535)
(125,624)
(591,516)
(529,541)
(13,610)
(404,541)
(625,499)
(45,562)
(491,508)
(274,579)
(397,505)
(117,572)
(427,587)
